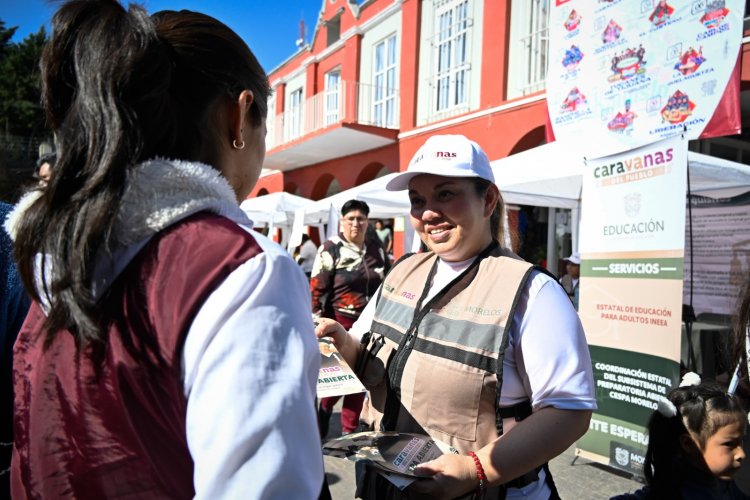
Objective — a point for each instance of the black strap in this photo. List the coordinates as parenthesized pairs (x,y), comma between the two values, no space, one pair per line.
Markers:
(503,346)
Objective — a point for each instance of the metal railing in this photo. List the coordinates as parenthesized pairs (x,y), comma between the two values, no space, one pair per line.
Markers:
(351,102)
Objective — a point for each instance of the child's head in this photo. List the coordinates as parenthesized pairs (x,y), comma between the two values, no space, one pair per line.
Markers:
(699,427)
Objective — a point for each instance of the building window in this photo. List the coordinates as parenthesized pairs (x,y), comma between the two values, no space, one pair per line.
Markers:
(271,139)
(332,97)
(384,83)
(451,46)
(529,46)
(333,30)
(294,129)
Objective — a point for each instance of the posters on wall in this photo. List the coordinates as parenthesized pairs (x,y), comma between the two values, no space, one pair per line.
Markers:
(720,246)
(624,73)
(632,241)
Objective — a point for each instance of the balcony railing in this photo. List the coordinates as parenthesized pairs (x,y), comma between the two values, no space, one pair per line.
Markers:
(350,102)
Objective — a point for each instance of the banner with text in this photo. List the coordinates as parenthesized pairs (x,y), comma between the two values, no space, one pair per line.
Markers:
(632,243)
(720,245)
(626,73)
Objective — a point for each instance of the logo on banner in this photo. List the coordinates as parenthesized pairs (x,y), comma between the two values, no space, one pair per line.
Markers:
(573,57)
(678,108)
(632,204)
(626,457)
(560,2)
(661,13)
(715,13)
(690,61)
(622,456)
(574,100)
(612,32)
(572,21)
(623,120)
(628,64)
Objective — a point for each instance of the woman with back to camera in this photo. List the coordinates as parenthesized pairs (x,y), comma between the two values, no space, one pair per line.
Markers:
(468,343)
(161,358)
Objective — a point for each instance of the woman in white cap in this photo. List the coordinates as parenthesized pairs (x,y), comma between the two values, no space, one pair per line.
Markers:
(468,343)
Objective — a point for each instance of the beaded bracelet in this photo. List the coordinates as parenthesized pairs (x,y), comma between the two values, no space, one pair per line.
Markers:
(480,473)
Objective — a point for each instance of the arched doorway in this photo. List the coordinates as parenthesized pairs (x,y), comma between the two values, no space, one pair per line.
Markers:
(321,187)
(531,140)
(371,171)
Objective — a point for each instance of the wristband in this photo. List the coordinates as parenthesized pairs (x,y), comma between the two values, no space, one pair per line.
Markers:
(481,476)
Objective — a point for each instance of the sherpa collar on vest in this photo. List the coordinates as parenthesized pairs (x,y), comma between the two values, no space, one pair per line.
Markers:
(159,193)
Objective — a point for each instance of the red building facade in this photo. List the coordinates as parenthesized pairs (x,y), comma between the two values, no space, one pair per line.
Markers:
(380,76)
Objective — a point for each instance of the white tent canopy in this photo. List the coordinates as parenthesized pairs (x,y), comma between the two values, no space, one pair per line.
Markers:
(383,204)
(547,176)
(276,209)
(551,175)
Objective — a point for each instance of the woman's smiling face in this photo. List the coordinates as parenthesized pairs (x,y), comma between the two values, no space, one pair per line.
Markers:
(450,217)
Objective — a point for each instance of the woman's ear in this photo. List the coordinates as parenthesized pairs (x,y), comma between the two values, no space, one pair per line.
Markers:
(237,116)
(491,197)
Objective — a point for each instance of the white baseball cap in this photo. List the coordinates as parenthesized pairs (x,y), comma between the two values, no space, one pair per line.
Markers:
(447,155)
(575,258)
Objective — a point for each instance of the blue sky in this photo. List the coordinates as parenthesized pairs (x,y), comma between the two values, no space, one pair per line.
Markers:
(269,27)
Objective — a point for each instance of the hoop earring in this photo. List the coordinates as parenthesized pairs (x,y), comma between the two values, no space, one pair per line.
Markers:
(238,145)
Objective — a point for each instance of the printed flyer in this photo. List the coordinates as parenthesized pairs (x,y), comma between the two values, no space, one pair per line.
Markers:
(632,239)
(335,378)
(720,247)
(395,454)
(624,73)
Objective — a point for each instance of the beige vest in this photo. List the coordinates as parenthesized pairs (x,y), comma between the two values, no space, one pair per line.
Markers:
(435,369)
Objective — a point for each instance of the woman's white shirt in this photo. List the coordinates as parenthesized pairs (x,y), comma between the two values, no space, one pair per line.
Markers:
(250,364)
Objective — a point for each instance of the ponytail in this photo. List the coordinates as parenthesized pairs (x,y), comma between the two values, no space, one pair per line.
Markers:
(119,87)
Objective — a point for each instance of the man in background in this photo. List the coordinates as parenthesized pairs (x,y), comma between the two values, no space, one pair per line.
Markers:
(570,281)
(306,255)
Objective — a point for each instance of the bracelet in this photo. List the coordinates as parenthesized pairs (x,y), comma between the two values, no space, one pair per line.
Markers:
(480,473)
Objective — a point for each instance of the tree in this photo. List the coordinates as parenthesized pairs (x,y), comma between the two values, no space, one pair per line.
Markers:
(20,111)
(22,125)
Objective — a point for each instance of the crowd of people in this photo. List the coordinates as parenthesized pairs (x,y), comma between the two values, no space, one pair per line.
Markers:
(151,365)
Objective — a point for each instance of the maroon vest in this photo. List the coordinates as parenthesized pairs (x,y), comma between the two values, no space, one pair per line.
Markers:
(121,433)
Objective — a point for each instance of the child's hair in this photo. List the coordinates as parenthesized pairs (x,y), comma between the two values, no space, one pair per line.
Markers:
(696,411)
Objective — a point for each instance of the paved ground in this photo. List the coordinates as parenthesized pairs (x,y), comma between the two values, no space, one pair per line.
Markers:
(580,479)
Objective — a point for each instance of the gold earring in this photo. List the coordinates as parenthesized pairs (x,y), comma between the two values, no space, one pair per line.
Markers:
(238,145)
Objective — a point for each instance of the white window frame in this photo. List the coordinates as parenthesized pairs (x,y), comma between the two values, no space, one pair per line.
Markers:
(529,46)
(332,106)
(385,82)
(295,113)
(452,54)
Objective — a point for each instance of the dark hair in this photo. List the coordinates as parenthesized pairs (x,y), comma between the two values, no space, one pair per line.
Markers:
(120,87)
(355,205)
(701,411)
(49,158)
(496,219)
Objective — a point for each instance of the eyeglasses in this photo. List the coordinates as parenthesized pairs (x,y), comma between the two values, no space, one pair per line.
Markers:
(352,220)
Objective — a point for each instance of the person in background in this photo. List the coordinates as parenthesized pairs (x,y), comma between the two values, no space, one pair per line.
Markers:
(695,444)
(384,233)
(152,365)
(468,343)
(348,270)
(14,304)
(571,279)
(306,255)
(44,166)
